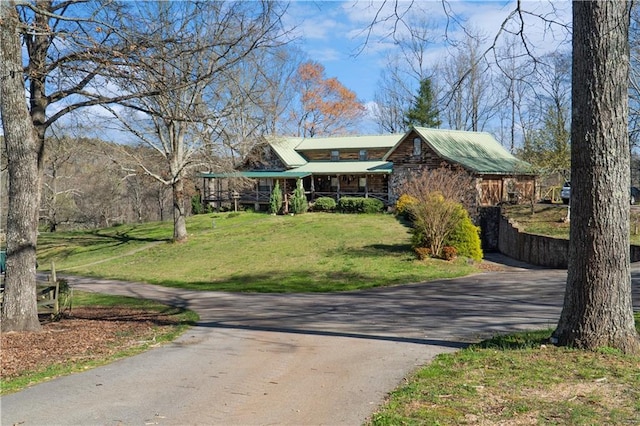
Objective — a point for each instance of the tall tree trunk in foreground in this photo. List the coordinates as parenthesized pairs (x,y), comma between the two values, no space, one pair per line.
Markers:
(598,308)
(24,149)
(179,213)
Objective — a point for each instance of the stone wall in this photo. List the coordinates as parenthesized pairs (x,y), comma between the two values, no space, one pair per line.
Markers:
(489,221)
(537,249)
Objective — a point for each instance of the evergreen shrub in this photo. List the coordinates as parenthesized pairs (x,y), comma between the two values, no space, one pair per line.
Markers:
(465,237)
(360,205)
(299,202)
(324,204)
(275,200)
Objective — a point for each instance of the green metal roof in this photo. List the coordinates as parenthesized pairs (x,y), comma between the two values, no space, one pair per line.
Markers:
(262,174)
(346,167)
(349,142)
(476,151)
(285,149)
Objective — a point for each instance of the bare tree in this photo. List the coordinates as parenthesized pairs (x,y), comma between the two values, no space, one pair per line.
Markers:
(392,99)
(514,80)
(75,51)
(598,309)
(468,102)
(400,80)
(547,146)
(72,48)
(181,122)
(58,187)
(257,96)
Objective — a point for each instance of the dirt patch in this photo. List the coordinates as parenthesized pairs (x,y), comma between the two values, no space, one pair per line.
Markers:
(86,334)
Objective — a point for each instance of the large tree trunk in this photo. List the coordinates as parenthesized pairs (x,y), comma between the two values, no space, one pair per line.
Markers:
(598,308)
(179,214)
(19,309)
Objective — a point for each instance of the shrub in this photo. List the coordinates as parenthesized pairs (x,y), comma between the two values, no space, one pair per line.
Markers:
(404,204)
(196,205)
(448,253)
(422,252)
(434,218)
(324,204)
(465,237)
(299,203)
(360,205)
(275,200)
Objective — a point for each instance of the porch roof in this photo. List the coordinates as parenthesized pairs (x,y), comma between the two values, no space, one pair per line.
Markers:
(262,174)
(346,167)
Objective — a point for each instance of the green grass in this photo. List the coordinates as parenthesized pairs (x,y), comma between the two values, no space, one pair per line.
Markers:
(315,252)
(519,379)
(548,219)
(181,320)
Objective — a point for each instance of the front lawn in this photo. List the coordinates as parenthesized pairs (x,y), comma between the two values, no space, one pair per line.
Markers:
(314,252)
(519,380)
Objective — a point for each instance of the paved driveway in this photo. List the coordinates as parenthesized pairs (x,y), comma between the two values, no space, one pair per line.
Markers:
(292,359)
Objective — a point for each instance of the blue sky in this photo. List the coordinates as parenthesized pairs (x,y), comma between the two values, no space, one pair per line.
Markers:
(332,32)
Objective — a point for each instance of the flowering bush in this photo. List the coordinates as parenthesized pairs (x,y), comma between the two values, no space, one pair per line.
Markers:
(404,203)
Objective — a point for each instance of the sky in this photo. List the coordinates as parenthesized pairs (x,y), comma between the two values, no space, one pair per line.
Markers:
(340,34)
(335,33)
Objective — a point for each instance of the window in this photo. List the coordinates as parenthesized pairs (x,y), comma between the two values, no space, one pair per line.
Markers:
(264,185)
(362,184)
(417,146)
(363,155)
(335,155)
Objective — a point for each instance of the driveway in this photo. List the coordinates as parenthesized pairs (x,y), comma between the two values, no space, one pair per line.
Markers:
(291,359)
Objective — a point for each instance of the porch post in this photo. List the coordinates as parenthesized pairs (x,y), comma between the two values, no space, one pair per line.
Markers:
(218,192)
(366,186)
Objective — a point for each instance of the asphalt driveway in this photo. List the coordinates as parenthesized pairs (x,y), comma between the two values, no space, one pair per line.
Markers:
(291,359)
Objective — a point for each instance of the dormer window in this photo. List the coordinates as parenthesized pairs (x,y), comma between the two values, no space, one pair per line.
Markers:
(417,147)
(363,155)
(335,155)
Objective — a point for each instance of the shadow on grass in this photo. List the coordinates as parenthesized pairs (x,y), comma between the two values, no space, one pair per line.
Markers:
(373,250)
(298,281)
(95,241)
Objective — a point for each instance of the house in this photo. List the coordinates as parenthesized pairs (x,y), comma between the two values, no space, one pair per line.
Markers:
(500,176)
(369,166)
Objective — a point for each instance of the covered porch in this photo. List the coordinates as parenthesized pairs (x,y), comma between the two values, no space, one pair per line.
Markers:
(253,189)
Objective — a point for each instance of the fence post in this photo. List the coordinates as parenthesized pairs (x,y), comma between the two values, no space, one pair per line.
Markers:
(56,303)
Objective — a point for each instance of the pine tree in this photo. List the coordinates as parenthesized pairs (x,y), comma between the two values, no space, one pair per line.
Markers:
(299,201)
(424,111)
(275,200)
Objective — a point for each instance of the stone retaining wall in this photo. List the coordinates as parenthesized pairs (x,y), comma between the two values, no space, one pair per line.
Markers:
(537,249)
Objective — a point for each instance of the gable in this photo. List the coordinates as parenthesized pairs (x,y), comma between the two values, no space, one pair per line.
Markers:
(263,157)
(478,152)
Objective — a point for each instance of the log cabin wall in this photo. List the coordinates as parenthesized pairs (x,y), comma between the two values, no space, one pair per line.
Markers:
(403,155)
(263,158)
(345,154)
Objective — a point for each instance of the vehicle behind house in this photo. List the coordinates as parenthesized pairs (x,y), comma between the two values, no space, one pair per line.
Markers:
(565,194)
